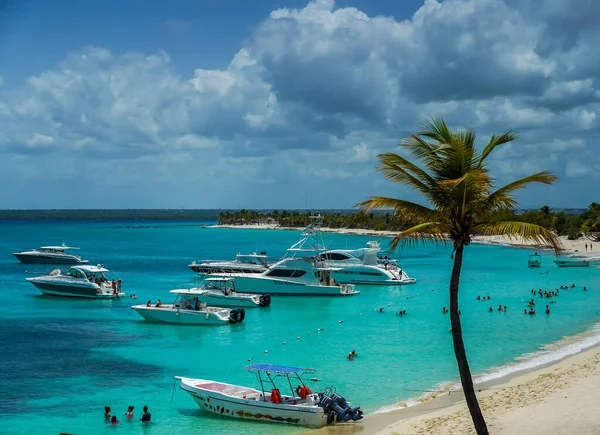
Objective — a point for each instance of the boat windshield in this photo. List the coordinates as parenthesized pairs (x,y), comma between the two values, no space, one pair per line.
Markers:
(74,273)
(222,285)
(95,276)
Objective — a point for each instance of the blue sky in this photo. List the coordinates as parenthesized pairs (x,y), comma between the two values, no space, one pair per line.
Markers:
(285,104)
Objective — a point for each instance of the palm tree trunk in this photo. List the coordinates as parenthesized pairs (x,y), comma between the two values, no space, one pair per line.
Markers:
(459,347)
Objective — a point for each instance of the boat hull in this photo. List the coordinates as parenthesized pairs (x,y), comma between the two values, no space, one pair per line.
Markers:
(73,291)
(215,300)
(168,314)
(207,270)
(47,259)
(282,287)
(567,263)
(257,410)
(347,276)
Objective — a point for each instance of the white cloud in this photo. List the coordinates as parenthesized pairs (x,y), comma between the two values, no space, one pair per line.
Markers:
(318,87)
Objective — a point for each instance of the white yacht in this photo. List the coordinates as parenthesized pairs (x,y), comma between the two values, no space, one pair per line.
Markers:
(269,404)
(49,255)
(362,266)
(295,276)
(221,292)
(80,282)
(246,263)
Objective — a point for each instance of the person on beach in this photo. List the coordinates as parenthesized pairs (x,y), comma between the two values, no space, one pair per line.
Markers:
(586,246)
(129,413)
(146,416)
(114,420)
(547,309)
(107,412)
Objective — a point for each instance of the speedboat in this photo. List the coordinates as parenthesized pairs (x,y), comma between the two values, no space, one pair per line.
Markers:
(246,263)
(79,282)
(534,260)
(188,310)
(295,276)
(49,255)
(221,292)
(363,266)
(572,262)
(300,406)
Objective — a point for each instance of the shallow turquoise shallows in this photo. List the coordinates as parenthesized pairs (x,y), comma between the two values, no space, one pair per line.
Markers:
(63,360)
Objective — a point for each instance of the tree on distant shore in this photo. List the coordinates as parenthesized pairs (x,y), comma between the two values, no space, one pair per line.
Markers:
(463,202)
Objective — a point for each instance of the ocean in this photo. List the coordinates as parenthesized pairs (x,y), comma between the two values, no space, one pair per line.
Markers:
(63,360)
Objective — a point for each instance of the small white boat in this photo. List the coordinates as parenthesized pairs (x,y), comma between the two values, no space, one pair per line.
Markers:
(49,255)
(573,262)
(534,260)
(221,292)
(243,263)
(301,406)
(79,282)
(188,310)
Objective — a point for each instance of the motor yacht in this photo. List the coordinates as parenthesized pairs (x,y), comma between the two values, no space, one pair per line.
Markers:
(49,255)
(245,263)
(299,406)
(572,262)
(221,292)
(362,266)
(295,276)
(80,282)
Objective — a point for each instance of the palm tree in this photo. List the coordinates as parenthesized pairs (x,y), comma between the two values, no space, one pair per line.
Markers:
(455,181)
(546,216)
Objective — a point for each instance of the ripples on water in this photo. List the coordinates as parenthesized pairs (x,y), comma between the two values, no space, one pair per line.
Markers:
(63,359)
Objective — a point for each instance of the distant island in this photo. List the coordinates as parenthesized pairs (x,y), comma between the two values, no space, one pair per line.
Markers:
(565,222)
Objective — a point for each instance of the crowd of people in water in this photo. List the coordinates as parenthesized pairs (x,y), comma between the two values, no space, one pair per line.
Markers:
(112,419)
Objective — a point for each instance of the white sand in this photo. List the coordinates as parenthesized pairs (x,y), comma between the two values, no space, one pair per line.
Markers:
(558,399)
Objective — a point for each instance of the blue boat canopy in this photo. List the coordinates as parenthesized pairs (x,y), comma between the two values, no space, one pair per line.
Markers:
(275,369)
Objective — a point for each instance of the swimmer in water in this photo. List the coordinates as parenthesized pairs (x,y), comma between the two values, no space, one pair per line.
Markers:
(107,412)
(129,413)
(547,309)
(352,355)
(114,420)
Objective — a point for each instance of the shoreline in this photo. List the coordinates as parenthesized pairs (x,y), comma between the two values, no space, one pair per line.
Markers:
(526,394)
(572,247)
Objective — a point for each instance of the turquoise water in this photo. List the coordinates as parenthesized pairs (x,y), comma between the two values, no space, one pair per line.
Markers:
(63,359)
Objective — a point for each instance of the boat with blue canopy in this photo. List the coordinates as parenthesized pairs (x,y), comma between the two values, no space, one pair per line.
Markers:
(269,404)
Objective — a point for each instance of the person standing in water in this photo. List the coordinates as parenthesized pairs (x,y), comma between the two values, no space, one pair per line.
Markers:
(146,416)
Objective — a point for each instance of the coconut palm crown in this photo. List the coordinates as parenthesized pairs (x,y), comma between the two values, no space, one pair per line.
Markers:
(463,201)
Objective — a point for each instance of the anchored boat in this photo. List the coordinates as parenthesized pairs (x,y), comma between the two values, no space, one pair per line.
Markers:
(301,406)
(573,262)
(80,282)
(534,260)
(221,292)
(188,310)
(49,255)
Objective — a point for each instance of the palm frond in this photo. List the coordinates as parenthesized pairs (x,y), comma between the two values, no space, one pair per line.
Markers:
(434,232)
(503,196)
(526,231)
(406,209)
(392,158)
(495,141)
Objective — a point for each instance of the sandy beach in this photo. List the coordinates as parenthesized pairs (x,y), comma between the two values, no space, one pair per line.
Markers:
(572,247)
(559,398)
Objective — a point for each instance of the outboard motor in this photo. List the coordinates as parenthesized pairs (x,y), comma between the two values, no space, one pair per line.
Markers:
(337,408)
(264,300)
(237,316)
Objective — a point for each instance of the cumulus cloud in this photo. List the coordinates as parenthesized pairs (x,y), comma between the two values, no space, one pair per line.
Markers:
(312,91)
